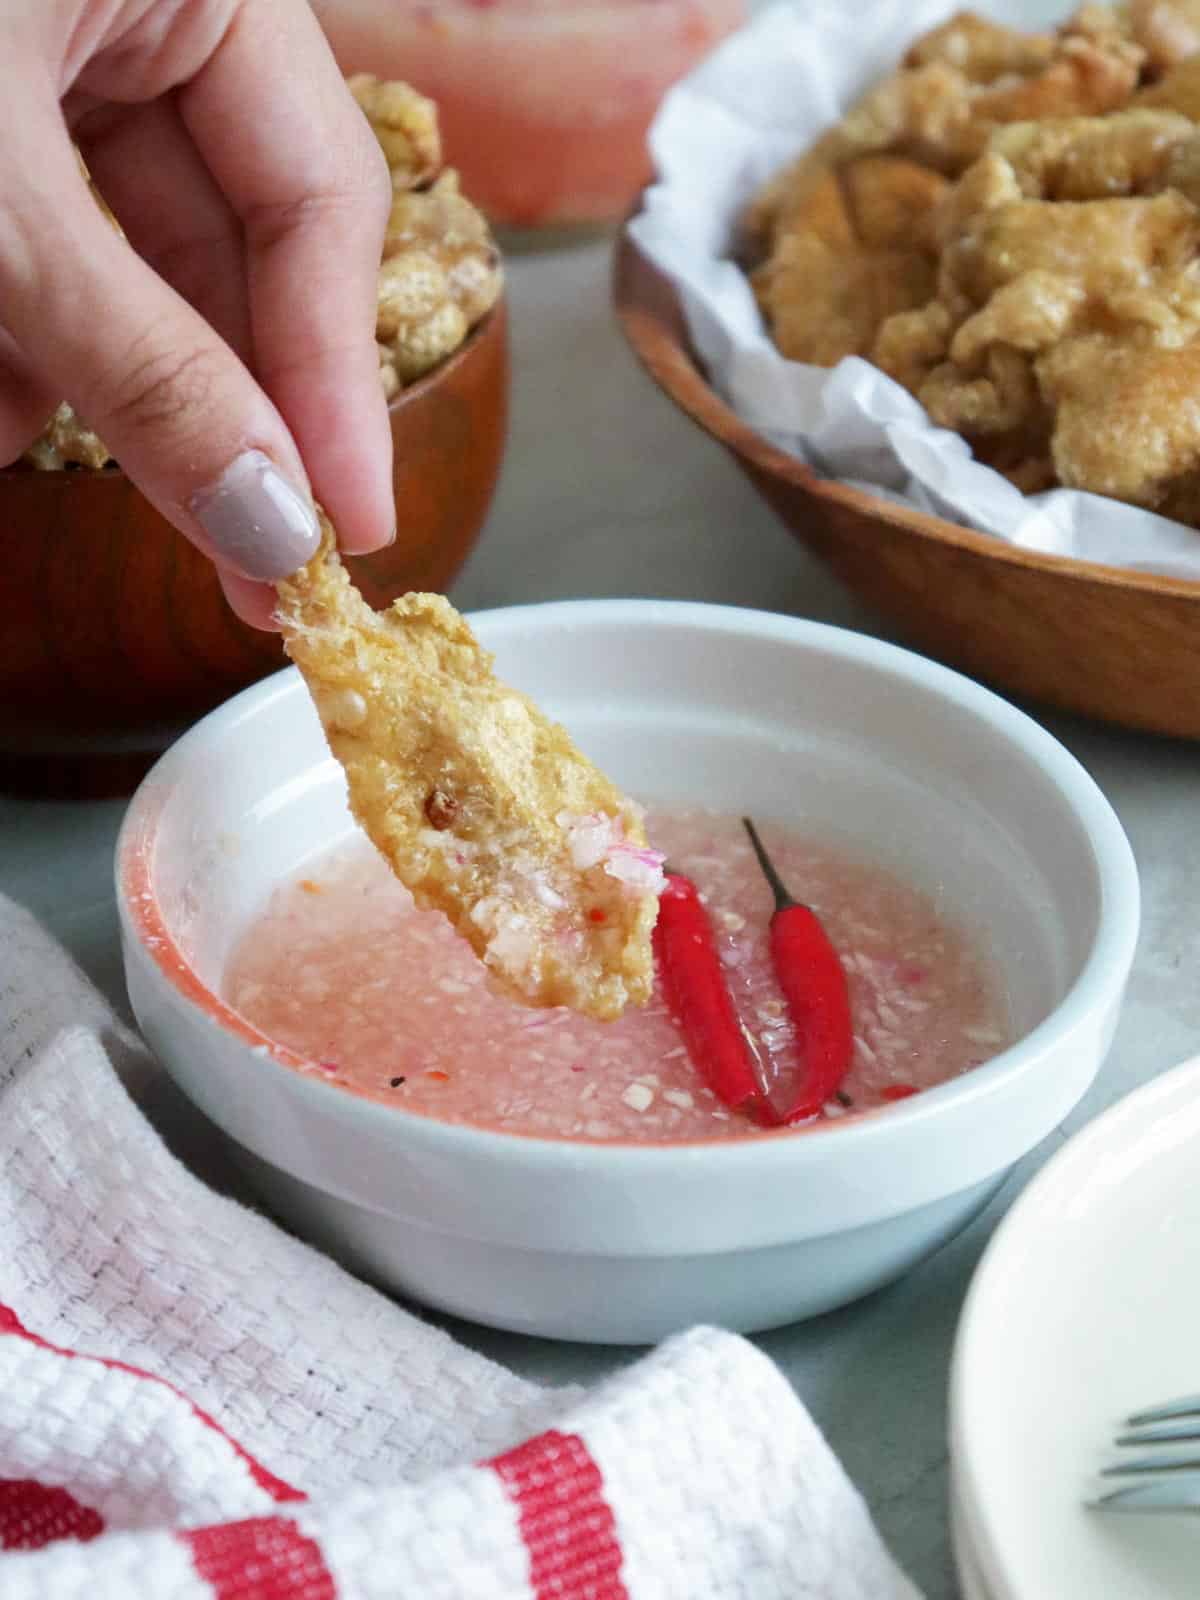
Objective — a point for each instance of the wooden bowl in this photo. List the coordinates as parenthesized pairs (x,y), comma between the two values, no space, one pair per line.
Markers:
(1123,647)
(115,632)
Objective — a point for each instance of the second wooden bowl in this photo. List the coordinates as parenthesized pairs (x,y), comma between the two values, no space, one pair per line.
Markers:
(115,632)
(1120,646)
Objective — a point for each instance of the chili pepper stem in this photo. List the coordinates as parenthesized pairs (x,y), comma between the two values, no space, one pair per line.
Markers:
(784,899)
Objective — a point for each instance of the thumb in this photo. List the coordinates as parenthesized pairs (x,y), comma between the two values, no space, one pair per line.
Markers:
(175,405)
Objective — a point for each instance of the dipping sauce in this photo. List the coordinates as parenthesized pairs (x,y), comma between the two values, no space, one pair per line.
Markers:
(388,1002)
(544,104)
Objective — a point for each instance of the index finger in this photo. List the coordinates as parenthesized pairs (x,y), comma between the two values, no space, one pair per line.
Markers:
(282,135)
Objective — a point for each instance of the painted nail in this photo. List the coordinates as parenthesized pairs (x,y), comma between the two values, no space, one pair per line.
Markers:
(255,520)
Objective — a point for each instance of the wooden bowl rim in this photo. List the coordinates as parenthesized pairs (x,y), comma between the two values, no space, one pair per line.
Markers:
(485,330)
(672,363)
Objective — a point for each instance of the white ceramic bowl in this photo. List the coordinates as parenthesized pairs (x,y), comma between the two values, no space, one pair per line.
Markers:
(906,762)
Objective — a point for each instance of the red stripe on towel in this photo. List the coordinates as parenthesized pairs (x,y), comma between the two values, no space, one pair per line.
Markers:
(275,1487)
(564,1519)
(33,1515)
(260,1558)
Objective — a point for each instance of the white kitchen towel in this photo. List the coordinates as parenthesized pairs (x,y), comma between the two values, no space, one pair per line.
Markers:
(194,1404)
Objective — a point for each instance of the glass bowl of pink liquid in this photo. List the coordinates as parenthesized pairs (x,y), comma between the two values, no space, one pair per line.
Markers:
(544,104)
(629,1236)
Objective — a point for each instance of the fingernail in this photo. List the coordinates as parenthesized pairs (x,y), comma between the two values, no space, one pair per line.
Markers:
(255,520)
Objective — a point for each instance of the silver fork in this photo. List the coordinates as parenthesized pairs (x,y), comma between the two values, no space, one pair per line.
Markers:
(1167,1479)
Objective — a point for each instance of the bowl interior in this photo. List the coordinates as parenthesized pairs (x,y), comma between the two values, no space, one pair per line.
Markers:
(899,760)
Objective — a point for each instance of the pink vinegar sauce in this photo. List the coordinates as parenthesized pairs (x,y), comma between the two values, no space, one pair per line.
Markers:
(544,104)
(388,1002)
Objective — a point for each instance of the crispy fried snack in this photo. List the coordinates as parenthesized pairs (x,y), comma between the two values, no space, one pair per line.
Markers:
(1168,30)
(911,345)
(441,274)
(482,806)
(956,86)
(982,50)
(1091,158)
(1127,422)
(406,126)
(66,440)
(1054,313)
(908,114)
(856,251)
(1062,335)
(1104,250)
(1178,91)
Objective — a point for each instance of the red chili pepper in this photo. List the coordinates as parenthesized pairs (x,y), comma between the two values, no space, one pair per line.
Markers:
(898,1091)
(694,986)
(814,984)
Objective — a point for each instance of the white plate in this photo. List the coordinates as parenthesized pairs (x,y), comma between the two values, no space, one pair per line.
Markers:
(969,1576)
(1085,1307)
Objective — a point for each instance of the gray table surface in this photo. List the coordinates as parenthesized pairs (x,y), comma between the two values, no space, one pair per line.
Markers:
(608,490)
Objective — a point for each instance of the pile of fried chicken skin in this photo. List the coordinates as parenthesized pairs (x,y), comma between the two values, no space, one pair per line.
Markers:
(1009,226)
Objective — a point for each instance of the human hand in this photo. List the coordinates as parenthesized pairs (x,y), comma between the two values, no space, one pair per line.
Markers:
(232,347)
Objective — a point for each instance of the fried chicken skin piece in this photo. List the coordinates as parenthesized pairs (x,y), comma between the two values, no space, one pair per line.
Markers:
(891,201)
(1105,247)
(483,807)
(997,395)
(406,126)
(1127,420)
(66,440)
(911,344)
(960,83)
(1051,313)
(858,250)
(1039,272)
(923,107)
(1167,30)
(1062,337)
(1093,158)
(921,115)
(1089,67)
(982,50)
(1094,70)
(1178,91)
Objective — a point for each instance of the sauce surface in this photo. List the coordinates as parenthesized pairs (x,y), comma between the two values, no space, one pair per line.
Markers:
(388,1002)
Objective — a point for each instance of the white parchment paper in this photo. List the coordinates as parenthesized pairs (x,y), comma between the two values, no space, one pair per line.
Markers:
(763,97)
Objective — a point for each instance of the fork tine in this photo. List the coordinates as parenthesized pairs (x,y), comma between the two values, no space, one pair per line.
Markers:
(1178,1493)
(1166,1461)
(1175,1431)
(1187,1406)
